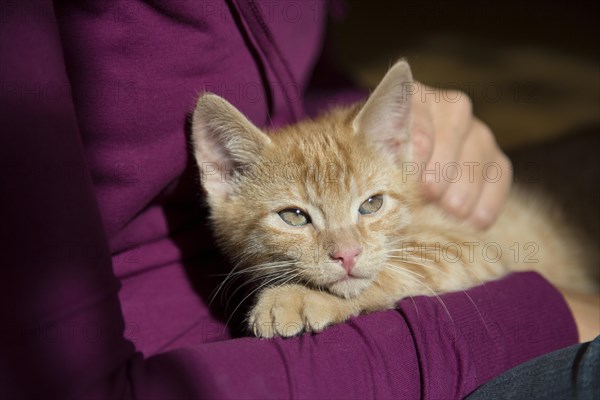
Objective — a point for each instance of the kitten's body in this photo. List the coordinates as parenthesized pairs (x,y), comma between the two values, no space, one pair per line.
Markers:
(328,168)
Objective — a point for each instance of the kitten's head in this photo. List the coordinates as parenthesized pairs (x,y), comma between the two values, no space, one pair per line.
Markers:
(321,202)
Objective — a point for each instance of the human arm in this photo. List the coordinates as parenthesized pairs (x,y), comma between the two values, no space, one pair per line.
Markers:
(414,352)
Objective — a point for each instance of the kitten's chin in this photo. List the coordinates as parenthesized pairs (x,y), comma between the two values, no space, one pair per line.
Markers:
(349,287)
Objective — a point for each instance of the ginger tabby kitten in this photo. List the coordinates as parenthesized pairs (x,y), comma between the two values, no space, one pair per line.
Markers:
(326,217)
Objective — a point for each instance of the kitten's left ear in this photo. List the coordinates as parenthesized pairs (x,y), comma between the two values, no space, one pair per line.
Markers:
(385,117)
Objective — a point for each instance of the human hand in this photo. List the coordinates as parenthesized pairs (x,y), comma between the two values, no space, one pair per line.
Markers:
(444,132)
(586,312)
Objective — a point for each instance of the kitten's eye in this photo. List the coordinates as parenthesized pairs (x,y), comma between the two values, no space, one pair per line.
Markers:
(294,217)
(371,205)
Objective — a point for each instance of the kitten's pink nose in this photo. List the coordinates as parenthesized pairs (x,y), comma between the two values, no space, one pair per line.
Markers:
(347,257)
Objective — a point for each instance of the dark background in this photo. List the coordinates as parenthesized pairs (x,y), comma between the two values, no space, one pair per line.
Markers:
(531,67)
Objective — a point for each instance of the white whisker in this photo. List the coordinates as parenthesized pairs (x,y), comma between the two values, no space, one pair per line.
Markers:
(282,274)
(233,274)
(401,270)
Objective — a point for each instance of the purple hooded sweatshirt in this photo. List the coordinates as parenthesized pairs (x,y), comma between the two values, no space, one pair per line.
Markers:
(102,228)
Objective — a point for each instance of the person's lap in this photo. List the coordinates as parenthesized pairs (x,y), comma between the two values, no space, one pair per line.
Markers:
(572,372)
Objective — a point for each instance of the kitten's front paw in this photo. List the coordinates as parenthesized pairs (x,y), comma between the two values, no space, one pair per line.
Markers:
(291,309)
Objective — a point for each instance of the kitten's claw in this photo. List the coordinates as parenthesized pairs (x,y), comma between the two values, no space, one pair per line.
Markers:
(292,309)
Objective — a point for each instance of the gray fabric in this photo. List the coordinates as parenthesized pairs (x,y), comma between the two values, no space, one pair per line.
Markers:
(569,373)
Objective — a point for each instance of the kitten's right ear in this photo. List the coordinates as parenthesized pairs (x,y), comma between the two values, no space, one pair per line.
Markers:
(223,139)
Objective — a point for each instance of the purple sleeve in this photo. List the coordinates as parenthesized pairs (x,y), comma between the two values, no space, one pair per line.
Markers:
(63,330)
(415,352)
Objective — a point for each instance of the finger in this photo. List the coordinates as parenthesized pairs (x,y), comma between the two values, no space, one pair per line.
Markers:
(495,191)
(466,181)
(452,124)
(422,131)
